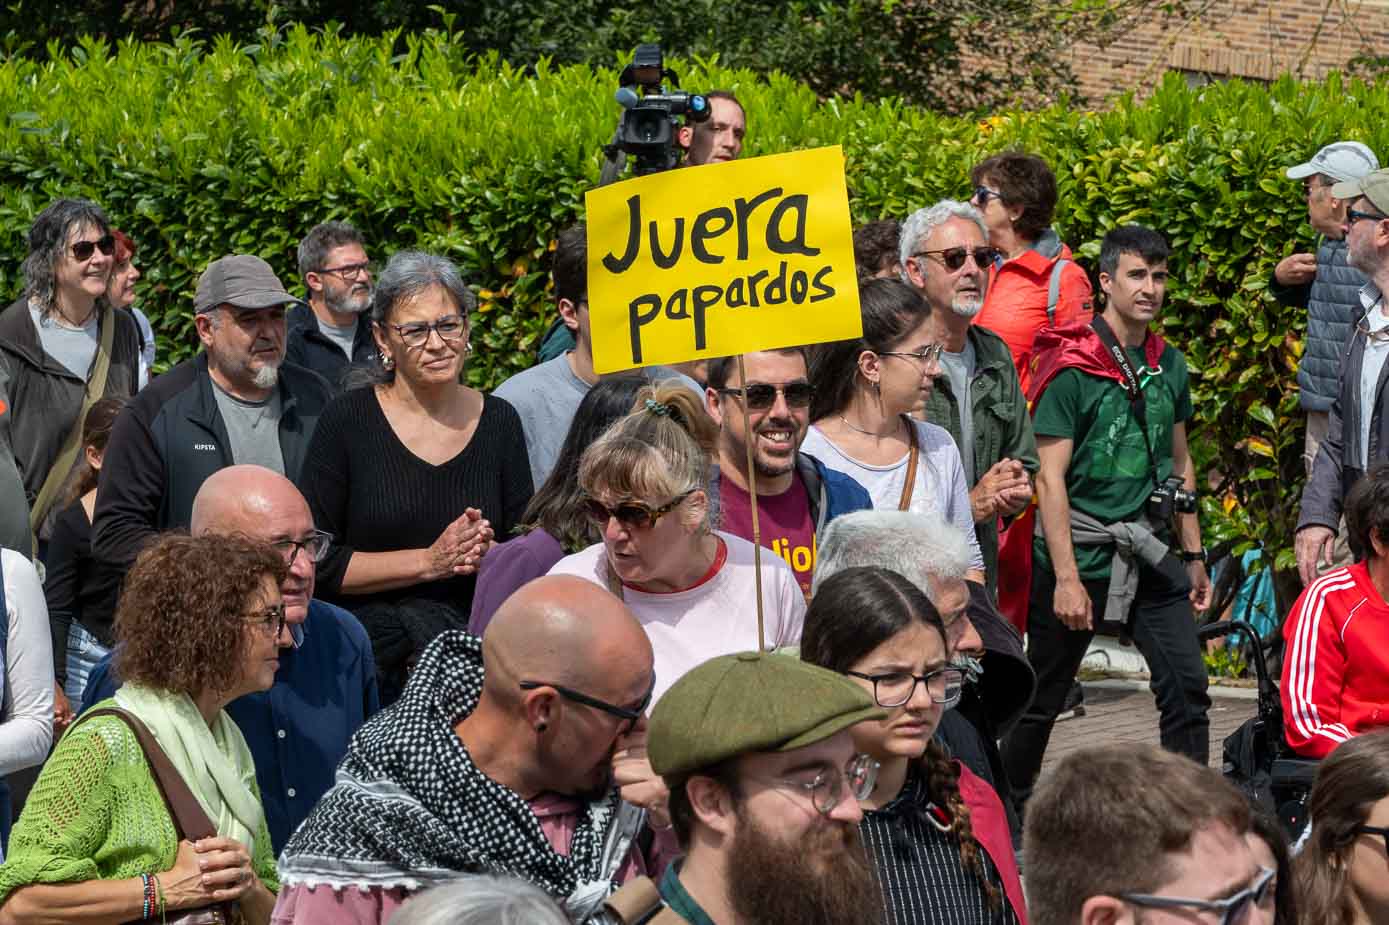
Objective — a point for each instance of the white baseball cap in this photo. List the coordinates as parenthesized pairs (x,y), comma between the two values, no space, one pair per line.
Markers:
(1340,160)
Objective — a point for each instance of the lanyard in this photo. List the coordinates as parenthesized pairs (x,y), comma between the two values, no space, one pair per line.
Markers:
(1132,387)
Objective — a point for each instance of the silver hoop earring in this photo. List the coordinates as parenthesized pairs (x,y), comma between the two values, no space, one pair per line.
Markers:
(386,360)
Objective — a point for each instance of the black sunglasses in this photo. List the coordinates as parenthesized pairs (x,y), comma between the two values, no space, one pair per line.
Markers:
(631,514)
(983,194)
(954,257)
(612,709)
(82,250)
(1355,215)
(761,396)
(1380,830)
(1231,909)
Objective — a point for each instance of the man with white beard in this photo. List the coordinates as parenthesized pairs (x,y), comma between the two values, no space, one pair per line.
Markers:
(946,257)
(332,333)
(235,403)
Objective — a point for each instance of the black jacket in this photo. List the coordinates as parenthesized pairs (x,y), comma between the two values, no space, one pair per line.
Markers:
(307,346)
(45,397)
(168,440)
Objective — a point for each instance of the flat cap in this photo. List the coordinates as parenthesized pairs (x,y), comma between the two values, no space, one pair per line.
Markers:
(243,280)
(751,702)
(1374,187)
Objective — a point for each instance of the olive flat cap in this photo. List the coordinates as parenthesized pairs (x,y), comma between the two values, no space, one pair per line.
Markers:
(1374,187)
(751,702)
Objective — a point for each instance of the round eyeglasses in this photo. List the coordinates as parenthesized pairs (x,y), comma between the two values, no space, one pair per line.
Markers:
(828,787)
(894,688)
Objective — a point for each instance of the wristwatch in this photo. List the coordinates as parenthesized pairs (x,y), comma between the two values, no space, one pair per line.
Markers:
(1198,556)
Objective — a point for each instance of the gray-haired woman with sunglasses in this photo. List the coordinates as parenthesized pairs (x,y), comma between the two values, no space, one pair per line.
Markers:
(416,472)
(59,340)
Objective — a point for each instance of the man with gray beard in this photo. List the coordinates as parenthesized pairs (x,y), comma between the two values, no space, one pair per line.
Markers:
(235,403)
(331,333)
(946,257)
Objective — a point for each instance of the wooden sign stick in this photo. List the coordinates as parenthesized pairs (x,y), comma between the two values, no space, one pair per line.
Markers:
(752,497)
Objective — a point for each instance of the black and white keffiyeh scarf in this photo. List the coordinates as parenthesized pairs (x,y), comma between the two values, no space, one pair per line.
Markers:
(410,809)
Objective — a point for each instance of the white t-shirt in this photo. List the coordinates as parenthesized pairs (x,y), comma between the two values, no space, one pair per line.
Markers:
(26,730)
(940,488)
(717,617)
(1376,351)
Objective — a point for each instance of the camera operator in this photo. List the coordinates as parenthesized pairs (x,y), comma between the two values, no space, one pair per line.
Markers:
(1116,491)
(720,137)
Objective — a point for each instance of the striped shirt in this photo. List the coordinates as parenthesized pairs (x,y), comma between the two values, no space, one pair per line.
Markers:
(919,867)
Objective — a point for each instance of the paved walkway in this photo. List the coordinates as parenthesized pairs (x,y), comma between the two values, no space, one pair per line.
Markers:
(1115,715)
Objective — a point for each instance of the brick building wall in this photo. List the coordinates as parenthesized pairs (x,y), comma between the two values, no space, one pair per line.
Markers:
(1253,39)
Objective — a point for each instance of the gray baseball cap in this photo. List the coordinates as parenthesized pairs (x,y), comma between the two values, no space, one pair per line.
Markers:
(1374,187)
(1340,160)
(243,280)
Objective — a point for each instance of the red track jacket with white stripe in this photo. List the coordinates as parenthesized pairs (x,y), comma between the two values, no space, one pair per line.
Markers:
(1336,665)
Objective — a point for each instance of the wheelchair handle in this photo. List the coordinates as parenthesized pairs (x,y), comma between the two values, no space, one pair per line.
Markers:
(1225,628)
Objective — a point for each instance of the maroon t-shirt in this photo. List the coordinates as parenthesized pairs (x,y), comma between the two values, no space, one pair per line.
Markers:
(785,523)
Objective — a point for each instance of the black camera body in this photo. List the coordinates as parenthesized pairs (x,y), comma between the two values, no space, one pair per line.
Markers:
(651,116)
(1170,499)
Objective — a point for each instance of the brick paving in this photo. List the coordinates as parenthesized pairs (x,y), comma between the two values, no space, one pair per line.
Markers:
(1115,716)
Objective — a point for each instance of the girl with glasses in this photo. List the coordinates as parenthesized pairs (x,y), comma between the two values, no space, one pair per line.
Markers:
(1342,872)
(690,586)
(937,833)
(866,391)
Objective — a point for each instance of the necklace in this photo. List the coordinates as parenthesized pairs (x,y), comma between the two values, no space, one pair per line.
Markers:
(852,426)
(62,321)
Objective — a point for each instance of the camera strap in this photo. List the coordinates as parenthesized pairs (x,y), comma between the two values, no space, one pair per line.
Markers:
(1131,385)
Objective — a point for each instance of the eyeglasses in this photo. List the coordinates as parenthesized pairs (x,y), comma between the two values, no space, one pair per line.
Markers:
(316,546)
(82,250)
(1380,830)
(271,618)
(1232,910)
(954,257)
(927,355)
(630,715)
(828,787)
(761,396)
(1352,216)
(450,328)
(897,687)
(982,195)
(632,515)
(348,270)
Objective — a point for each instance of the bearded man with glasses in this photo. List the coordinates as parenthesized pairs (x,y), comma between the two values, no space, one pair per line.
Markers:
(798,495)
(325,685)
(1357,437)
(332,332)
(979,398)
(765,785)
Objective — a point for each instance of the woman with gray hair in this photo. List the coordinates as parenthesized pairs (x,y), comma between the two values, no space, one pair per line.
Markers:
(414,472)
(63,347)
(481,901)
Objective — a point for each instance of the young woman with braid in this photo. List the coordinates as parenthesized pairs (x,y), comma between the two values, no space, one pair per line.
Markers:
(936,832)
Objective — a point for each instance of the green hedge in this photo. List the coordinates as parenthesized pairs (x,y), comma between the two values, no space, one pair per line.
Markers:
(202,149)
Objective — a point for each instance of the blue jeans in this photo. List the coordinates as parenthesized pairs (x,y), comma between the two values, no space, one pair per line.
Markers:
(83,654)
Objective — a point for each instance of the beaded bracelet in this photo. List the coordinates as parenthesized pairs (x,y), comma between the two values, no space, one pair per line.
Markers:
(147,885)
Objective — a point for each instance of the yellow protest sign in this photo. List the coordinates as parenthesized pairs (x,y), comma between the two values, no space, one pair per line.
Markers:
(721,259)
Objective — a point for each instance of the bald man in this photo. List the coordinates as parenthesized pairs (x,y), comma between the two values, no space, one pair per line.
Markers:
(325,688)
(504,772)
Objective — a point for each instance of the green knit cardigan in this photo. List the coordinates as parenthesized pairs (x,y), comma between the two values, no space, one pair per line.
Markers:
(96,814)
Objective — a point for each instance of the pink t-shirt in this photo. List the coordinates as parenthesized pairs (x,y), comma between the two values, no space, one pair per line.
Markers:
(716,617)
(307,905)
(783,520)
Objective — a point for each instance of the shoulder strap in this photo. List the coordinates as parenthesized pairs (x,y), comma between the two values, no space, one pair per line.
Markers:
(1132,387)
(4,637)
(904,503)
(639,902)
(190,820)
(1054,290)
(62,466)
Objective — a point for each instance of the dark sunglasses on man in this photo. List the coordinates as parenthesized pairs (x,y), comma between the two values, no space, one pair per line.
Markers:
(82,250)
(760,396)
(954,257)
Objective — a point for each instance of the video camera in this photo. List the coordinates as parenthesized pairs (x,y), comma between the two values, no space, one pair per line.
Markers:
(651,115)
